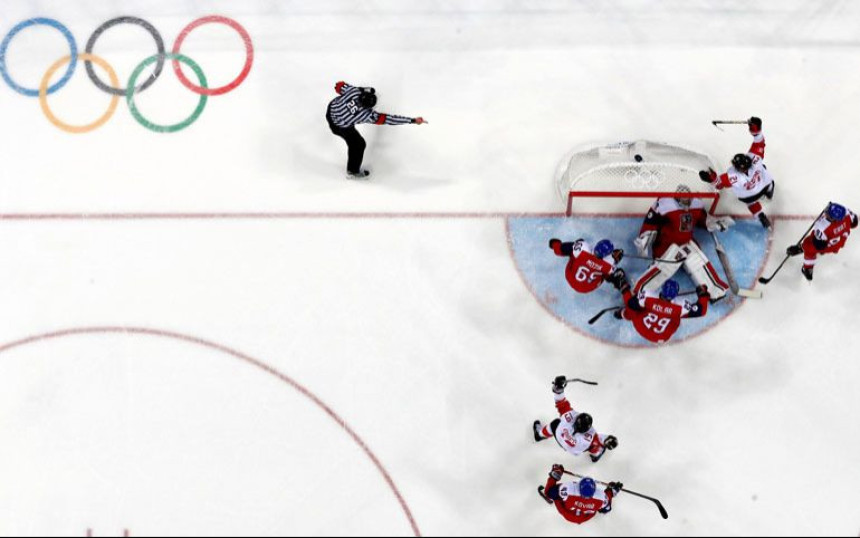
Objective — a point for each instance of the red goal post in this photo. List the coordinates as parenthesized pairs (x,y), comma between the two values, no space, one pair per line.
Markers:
(626,177)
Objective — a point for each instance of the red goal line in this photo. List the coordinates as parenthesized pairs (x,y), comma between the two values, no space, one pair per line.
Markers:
(713,196)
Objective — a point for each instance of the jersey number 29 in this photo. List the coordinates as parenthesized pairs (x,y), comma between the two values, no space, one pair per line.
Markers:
(656,323)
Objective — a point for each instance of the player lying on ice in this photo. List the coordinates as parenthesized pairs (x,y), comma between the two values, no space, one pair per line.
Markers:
(573,431)
(578,501)
(657,317)
(588,268)
(829,234)
(668,233)
(748,177)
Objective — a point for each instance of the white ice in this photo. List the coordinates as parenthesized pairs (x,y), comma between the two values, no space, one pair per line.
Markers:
(396,301)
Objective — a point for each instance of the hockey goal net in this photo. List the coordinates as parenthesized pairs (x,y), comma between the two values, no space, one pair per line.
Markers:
(626,177)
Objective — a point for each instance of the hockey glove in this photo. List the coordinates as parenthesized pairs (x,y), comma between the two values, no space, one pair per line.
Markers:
(553,242)
(611,442)
(557,471)
(616,487)
(702,291)
(708,176)
(618,314)
(617,278)
(543,495)
(755,125)
(794,250)
(644,241)
(714,224)
(559,384)
(617,255)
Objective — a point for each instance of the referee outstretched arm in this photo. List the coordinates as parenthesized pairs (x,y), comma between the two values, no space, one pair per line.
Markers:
(354,106)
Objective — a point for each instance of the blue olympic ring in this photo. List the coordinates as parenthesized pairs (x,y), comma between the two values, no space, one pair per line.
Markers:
(35,22)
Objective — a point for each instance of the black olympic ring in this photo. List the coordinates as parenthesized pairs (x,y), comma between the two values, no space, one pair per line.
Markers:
(159,43)
(176,57)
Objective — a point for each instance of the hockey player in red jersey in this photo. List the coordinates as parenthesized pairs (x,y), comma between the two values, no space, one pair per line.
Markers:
(578,501)
(668,234)
(588,268)
(657,317)
(573,431)
(829,234)
(748,177)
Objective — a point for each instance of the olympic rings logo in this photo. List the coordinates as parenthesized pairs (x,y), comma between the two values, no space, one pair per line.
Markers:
(132,87)
(641,179)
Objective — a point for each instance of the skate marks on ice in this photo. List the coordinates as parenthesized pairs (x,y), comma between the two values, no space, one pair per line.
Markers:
(543,272)
(123,427)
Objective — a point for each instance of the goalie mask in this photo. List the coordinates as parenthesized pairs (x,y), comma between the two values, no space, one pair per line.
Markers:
(684,202)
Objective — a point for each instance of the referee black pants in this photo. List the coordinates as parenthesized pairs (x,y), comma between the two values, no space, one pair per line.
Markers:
(354,142)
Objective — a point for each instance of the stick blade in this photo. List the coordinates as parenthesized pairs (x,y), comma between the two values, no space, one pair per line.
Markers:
(577,380)
(750,294)
(663,511)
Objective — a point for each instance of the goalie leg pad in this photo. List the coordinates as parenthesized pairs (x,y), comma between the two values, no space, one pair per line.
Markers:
(703,273)
(659,272)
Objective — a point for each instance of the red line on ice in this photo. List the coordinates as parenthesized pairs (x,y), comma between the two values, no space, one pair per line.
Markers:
(304,215)
(245,358)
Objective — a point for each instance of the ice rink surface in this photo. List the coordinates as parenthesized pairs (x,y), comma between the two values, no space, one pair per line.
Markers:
(214,332)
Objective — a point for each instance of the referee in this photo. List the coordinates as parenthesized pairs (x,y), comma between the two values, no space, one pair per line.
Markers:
(354,105)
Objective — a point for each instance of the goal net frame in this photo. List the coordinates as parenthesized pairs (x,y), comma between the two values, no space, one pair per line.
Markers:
(662,168)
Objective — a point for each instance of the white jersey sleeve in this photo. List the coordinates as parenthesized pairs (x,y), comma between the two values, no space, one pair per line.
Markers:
(820,228)
(581,246)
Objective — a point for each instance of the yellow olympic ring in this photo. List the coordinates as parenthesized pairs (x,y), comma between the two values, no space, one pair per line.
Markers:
(76,129)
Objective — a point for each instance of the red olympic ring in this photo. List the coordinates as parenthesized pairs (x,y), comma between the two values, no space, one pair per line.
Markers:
(249,55)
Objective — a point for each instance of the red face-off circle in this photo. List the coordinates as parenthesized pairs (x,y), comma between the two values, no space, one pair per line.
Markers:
(249,55)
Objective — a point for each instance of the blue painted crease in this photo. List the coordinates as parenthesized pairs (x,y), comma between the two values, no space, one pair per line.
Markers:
(746,244)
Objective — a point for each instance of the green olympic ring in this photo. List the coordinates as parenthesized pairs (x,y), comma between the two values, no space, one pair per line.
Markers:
(202,89)
(132,84)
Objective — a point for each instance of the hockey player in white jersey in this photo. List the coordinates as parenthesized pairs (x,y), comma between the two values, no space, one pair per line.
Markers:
(748,177)
(573,431)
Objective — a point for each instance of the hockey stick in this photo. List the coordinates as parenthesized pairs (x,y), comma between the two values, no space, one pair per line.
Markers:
(577,380)
(655,260)
(766,280)
(660,507)
(730,274)
(599,315)
(717,123)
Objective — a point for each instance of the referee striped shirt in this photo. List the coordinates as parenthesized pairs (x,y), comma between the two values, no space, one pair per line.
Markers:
(344,111)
